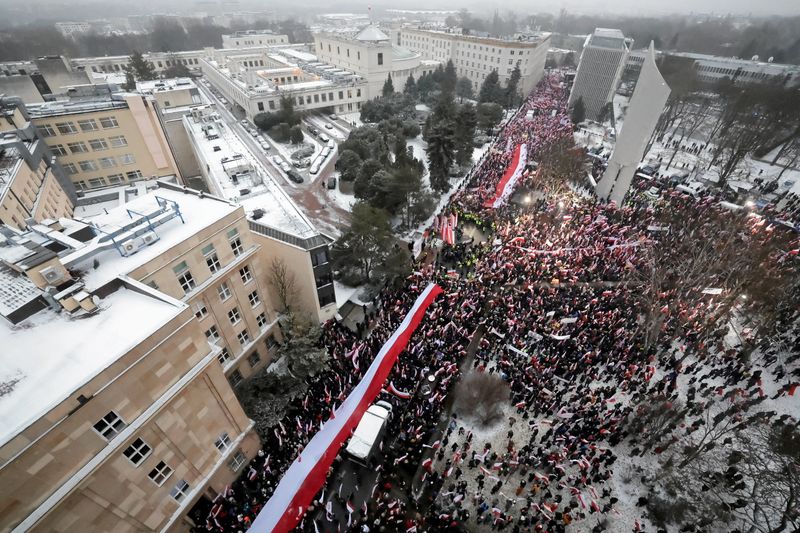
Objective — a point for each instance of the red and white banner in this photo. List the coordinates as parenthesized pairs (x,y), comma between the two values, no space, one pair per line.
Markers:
(307,474)
(509,180)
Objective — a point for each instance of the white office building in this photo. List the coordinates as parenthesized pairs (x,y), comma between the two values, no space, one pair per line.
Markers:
(371,54)
(599,70)
(475,57)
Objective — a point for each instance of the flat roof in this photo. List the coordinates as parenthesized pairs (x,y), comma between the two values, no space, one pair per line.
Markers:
(48,356)
(280,212)
(66,107)
(169,84)
(198,213)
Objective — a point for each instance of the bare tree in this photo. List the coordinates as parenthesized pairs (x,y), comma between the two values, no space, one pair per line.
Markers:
(481,396)
(284,284)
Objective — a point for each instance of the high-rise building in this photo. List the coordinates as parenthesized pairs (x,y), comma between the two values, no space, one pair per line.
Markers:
(33,186)
(475,57)
(599,70)
(105,139)
(646,106)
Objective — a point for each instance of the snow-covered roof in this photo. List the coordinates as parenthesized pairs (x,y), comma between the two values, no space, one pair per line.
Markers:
(15,291)
(197,213)
(299,54)
(48,356)
(372,34)
(280,212)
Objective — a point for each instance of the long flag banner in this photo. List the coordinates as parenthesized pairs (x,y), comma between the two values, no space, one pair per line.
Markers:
(509,180)
(306,476)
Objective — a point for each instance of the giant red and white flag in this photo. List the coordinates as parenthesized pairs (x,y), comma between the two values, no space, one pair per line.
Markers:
(307,474)
(509,180)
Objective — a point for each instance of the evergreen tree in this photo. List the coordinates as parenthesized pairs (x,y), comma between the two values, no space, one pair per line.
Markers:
(411,86)
(512,88)
(295,134)
(466,122)
(176,69)
(366,244)
(449,79)
(491,90)
(139,68)
(578,114)
(464,88)
(441,153)
(388,87)
(489,115)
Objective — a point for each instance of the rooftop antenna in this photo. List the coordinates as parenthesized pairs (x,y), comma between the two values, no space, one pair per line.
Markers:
(369,14)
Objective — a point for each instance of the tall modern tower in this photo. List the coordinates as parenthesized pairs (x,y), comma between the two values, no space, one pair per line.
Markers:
(599,69)
(646,105)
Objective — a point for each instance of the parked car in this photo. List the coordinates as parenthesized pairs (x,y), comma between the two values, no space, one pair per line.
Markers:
(285,166)
(324,138)
(332,183)
(328,126)
(333,116)
(313,131)
(277,159)
(264,146)
(331,144)
(294,176)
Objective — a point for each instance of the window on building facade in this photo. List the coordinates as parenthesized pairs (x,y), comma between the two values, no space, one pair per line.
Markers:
(87,166)
(239,459)
(223,442)
(254,298)
(137,451)
(96,182)
(261,320)
(70,168)
(107,162)
(246,274)
(114,179)
(58,149)
(98,144)
(200,310)
(380,58)
(160,473)
(110,425)
(212,334)
(88,125)
(224,356)
(234,379)
(224,292)
(127,159)
(109,122)
(66,128)
(184,276)
(180,490)
(77,148)
(134,175)
(235,242)
(211,258)
(234,316)
(243,337)
(253,359)
(118,141)
(46,130)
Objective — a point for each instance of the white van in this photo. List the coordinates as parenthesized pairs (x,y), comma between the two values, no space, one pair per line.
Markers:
(369,432)
(314,168)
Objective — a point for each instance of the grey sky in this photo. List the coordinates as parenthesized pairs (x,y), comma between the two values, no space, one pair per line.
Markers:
(630,7)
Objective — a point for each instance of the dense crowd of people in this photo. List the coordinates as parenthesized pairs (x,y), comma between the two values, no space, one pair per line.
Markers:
(543,303)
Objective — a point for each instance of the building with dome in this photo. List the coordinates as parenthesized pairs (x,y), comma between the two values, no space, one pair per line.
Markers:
(371,54)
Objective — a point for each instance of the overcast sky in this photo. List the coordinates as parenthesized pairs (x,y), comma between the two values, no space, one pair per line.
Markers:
(630,7)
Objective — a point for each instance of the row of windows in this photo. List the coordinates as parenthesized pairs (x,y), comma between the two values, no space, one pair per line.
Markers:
(97,145)
(86,125)
(90,165)
(117,67)
(111,179)
(186,279)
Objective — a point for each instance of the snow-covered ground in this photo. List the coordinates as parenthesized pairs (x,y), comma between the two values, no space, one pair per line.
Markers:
(420,147)
(345,201)
(336,133)
(354,119)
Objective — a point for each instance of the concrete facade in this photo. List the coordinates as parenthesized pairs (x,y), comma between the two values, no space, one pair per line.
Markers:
(645,107)
(250,38)
(108,140)
(599,70)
